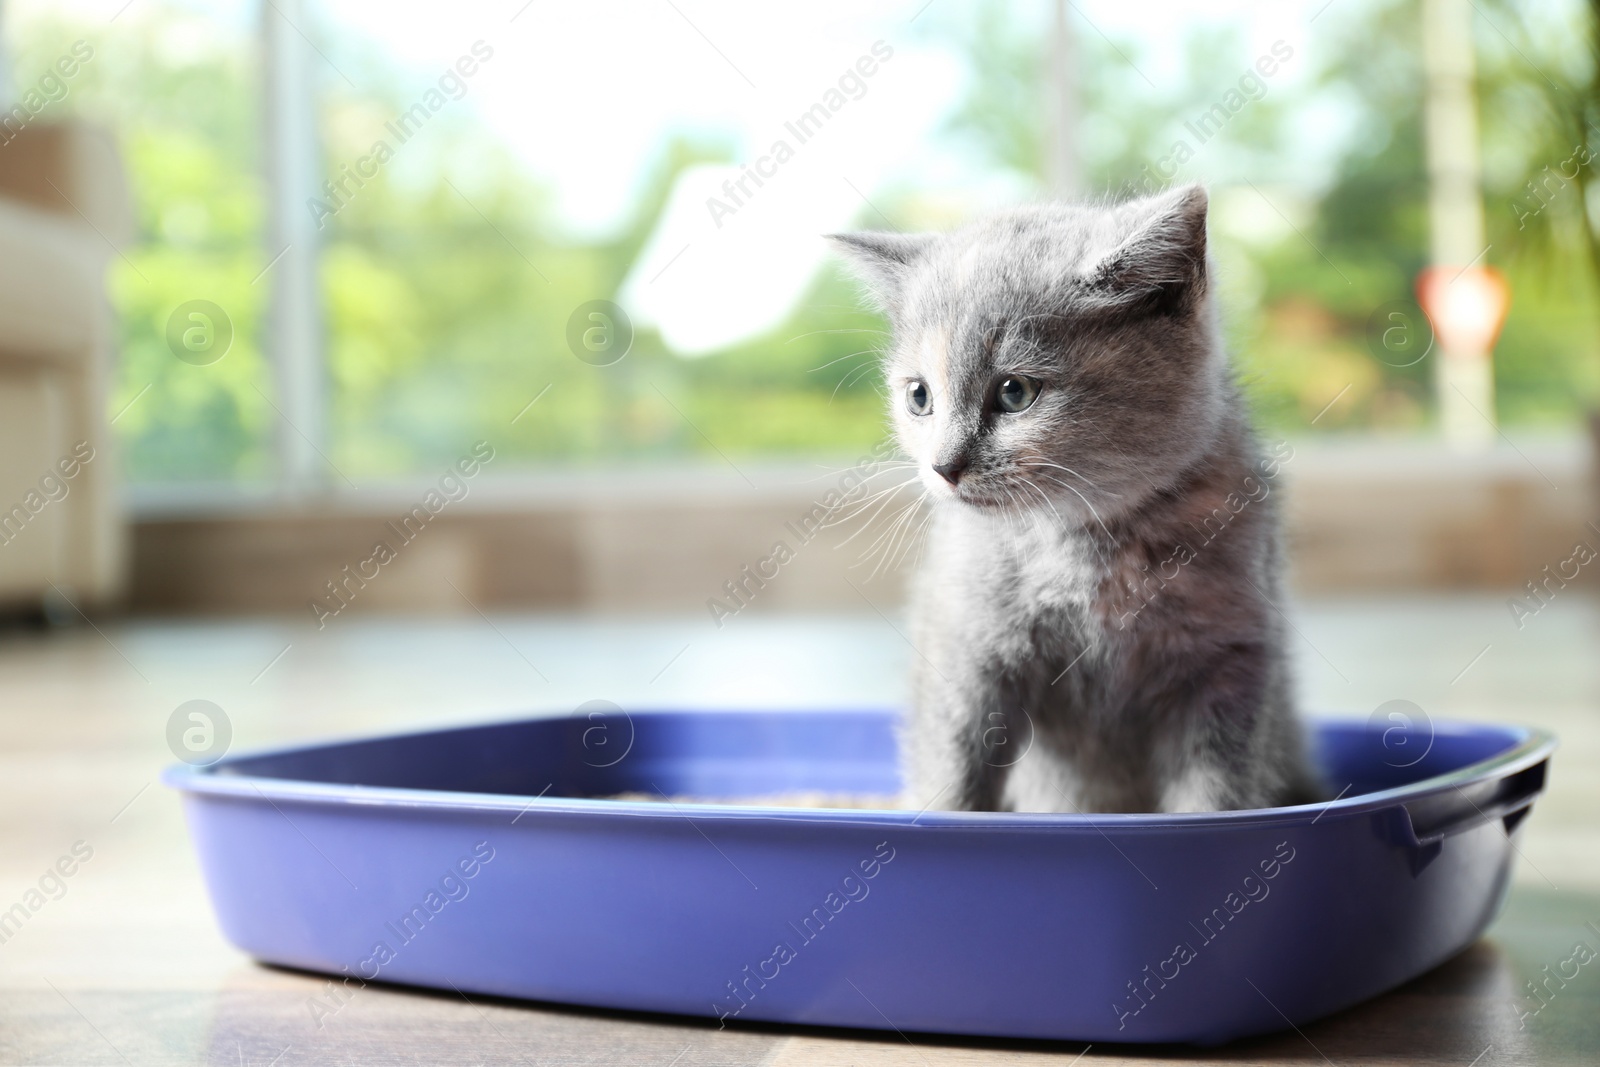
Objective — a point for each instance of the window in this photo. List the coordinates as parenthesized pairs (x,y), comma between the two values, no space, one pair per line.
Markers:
(508,171)
(418,220)
(178,85)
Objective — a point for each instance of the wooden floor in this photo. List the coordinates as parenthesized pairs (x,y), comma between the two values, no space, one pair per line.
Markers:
(125,965)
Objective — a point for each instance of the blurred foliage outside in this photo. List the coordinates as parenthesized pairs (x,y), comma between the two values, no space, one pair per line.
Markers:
(447,293)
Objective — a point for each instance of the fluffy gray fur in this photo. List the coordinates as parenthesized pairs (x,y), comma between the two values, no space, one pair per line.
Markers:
(1095,616)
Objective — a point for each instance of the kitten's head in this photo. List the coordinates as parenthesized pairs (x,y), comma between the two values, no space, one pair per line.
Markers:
(1058,355)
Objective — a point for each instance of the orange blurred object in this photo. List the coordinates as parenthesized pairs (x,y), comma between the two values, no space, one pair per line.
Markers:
(1467,307)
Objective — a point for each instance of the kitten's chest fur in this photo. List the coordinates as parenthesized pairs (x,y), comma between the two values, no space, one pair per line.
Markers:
(1033,596)
(1035,610)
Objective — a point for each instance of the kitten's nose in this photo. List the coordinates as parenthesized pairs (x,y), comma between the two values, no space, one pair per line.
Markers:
(951,471)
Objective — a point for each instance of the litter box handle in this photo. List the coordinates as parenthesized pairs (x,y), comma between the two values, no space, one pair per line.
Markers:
(1427,821)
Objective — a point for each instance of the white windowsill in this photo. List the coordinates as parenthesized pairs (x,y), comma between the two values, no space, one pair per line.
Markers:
(709,483)
(1563,459)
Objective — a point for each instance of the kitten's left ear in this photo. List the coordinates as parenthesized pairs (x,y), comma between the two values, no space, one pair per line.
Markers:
(1161,265)
(883,260)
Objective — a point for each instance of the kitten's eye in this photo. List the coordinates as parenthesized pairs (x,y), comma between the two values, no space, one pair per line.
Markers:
(918,400)
(1016,394)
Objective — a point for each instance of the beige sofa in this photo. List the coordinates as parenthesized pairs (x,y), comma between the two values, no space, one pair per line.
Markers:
(63,210)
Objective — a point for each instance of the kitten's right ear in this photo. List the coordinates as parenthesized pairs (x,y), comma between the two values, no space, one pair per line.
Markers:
(883,260)
(1161,264)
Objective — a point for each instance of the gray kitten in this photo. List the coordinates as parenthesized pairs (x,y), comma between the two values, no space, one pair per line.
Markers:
(1095,619)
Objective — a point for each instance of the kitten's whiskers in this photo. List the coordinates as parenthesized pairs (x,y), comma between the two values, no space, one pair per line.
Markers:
(855,375)
(1069,470)
(885,495)
(814,333)
(889,540)
(841,359)
(1074,490)
(888,498)
(901,524)
(1060,522)
(836,472)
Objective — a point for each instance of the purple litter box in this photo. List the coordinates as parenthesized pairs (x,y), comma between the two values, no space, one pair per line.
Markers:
(473,858)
